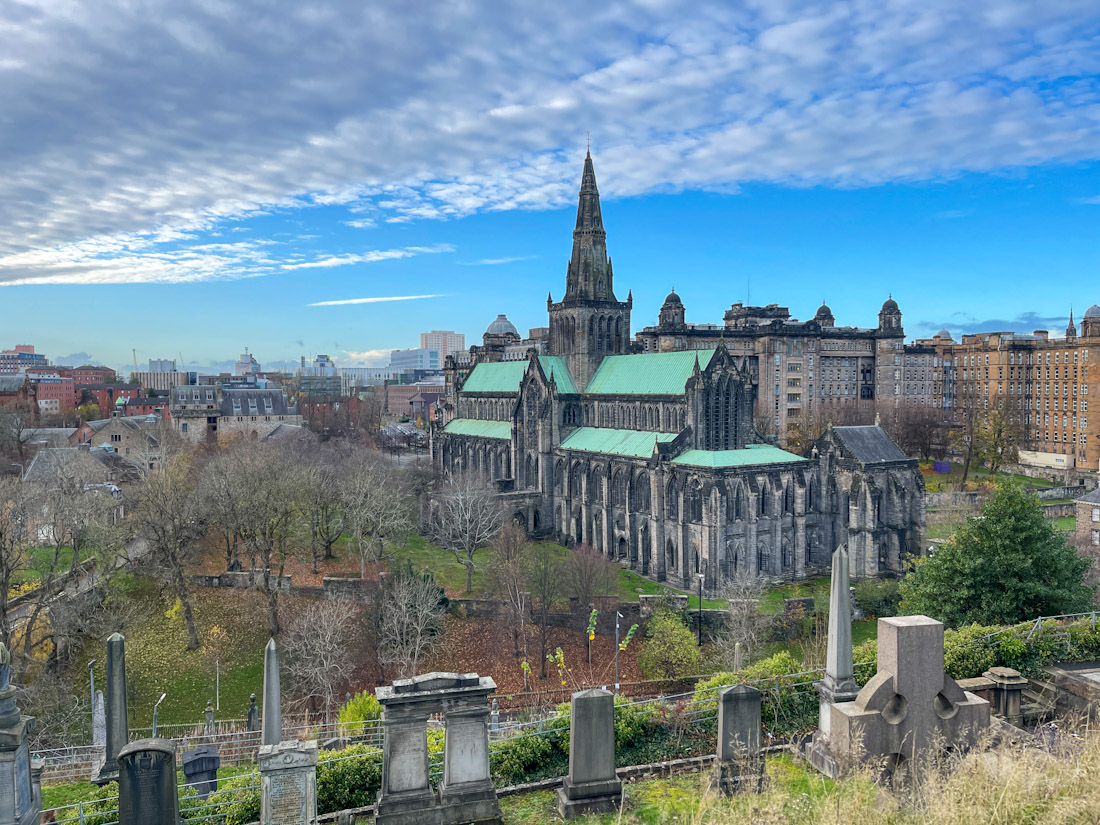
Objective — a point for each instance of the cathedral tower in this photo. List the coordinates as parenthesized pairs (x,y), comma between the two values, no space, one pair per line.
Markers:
(589,323)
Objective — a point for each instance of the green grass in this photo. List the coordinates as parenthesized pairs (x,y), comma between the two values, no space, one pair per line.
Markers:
(57,796)
(1066,523)
(40,560)
(938,483)
(772,601)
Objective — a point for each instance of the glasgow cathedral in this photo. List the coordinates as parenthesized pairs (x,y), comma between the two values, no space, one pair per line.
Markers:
(654,458)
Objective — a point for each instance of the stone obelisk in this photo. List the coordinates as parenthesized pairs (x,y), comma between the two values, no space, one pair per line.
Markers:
(272,721)
(118,726)
(839,684)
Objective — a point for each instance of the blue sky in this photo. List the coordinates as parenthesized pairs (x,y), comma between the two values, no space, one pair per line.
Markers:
(190,178)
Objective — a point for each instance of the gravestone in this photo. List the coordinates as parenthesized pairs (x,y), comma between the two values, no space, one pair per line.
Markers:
(253,714)
(208,722)
(466,792)
(99,721)
(839,685)
(740,764)
(200,769)
(18,805)
(591,786)
(288,783)
(273,708)
(147,783)
(118,727)
(909,705)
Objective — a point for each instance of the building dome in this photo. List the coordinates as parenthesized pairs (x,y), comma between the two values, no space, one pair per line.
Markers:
(673,298)
(943,333)
(502,326)
(823,311)
(890,306)
(1093,311)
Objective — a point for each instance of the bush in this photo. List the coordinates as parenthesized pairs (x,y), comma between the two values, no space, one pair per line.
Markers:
(966,654)
(362,707)
(231,801)
(670,650)
(865,658)
(878,599)
(348,778)
(787,708)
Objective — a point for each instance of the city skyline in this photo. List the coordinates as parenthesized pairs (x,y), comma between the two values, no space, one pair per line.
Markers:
(788,154)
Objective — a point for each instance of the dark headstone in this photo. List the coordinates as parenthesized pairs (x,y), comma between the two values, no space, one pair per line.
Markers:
(200,769)
(147,783)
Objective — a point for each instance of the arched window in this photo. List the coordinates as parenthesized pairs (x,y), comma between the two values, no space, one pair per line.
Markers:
(671,496)
(788,497)
(763,500)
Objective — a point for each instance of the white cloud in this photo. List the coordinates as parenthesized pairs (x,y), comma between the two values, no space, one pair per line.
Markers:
(369,358)
(373,256)
(468,107)
(496,261)
(362,223)
(346,301)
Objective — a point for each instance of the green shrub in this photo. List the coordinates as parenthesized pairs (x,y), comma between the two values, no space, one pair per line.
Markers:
(232,801)
(878,598)
(966,654)
(632,722)
(670,649)
(865,658)
(348,778)
(362,707)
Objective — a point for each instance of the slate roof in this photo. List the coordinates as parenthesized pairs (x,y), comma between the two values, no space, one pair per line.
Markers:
(751,455)
(48,436)
(1091,498)
(657,373)
(505,376)
(12,383)
(284,430)
(255,402)
(615,442)
(478,428)
(48,461)
(869,444)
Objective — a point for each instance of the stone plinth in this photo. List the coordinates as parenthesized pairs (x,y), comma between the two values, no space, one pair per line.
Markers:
(288,783)
(147,783)
(740,765)
(1008,688)
(466,792)
(909,705)
(591,786)
(200,769)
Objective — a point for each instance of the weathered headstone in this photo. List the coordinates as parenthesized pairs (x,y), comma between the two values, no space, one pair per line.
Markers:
(200,769)
(253,714)
(466,792)
(591,786)
(147,783)
(99,721)
(839,684)
(907,706)
(740,764)
(18,805)
(273,708)
(288,783)
(118,726)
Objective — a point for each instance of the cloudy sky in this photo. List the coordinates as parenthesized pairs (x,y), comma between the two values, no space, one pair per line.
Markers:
(197,176)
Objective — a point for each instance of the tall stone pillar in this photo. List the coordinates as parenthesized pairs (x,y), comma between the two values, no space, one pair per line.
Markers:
(19,805)
(118,727)
(273,701)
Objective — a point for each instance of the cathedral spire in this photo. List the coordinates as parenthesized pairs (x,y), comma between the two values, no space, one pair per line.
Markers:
(589,276)
(589,218)
(1071,330)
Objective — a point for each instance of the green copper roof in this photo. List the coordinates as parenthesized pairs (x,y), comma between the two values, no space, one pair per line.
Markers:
(556,364)
(481,429)
(658,373)
(500,376)
(505,376)
(615,442)
(750,455)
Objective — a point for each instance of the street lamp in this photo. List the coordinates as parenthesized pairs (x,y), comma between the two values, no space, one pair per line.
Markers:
(156,707)
(618,616)
(700,577)
(91,680)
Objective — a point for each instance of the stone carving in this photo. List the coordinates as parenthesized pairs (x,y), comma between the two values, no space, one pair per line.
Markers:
(591,786)
(466,792)
(909,705)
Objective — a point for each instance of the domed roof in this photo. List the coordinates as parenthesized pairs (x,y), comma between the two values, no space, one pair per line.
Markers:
(501,326)
(823,310)
(1093,311)
(673,298)
(943,333)
(890,305)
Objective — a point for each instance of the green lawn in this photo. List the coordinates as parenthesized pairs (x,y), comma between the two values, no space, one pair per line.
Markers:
(1066,523)
(938,483)
(40,560)
(772,602)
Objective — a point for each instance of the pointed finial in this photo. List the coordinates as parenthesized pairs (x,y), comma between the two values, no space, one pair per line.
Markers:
(588,141)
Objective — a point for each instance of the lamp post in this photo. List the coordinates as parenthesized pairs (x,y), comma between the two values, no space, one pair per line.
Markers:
(156,707)
(700,577)
(618,616)
(91,681)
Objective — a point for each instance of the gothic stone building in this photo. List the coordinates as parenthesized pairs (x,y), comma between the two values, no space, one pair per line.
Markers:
(654,459)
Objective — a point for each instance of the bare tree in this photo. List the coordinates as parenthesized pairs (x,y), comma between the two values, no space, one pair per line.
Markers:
(17,421)
(221,505)
(507,579)
(410,619)
(377,507)
(466,515)
(15,539)
(318,663)
(999,439)
(322,518)
(919,430)
(169,518)
(544,581)
(745,627)
(588,573)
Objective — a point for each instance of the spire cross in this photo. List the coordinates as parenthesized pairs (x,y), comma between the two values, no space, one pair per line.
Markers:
(588,140)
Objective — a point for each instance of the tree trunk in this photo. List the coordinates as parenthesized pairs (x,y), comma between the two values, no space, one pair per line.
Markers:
(188,616)
(273,611)
(469,573)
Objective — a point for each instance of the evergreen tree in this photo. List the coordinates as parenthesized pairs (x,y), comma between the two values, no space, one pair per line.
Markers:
(1008,566)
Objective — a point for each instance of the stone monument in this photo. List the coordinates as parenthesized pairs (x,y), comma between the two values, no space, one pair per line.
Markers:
(118,726)
(99,731)
(273,709)
(740,764)
(591,786)
(839,684)
(288,783)
(147,783)
(466,792)
(200,769)
(18,804)
(253,714)
(909,705)
(209,728)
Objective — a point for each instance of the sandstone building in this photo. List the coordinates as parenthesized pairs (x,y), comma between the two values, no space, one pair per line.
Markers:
(654,458)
